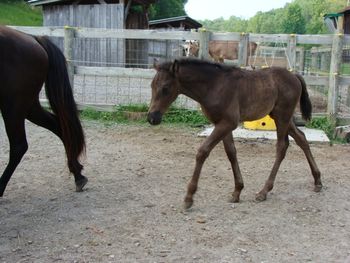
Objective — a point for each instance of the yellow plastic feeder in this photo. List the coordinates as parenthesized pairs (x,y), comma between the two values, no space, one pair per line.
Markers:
(266,123)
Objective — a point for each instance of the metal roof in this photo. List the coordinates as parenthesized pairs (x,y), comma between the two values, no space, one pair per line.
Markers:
(48,2)
(176,21)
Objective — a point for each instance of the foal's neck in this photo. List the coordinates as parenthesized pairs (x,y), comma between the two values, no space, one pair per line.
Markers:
(194,89)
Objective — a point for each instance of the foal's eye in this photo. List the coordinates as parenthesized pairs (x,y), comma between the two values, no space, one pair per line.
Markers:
(165,91)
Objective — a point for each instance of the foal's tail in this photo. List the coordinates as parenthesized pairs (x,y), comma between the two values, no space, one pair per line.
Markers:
(305,103)
(60,96)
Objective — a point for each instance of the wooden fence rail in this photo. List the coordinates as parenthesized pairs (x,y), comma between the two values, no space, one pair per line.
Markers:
(333,80)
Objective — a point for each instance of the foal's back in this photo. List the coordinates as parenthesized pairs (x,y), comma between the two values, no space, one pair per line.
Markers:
(259,92)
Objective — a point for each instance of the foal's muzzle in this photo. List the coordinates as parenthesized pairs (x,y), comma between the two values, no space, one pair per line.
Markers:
(155,117)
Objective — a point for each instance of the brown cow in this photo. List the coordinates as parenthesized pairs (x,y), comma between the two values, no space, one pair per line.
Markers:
(220,50)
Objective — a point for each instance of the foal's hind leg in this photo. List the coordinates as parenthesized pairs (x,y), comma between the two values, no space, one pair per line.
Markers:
(49,121)
(231,153)
(18,146)
(281,149)
(300,139)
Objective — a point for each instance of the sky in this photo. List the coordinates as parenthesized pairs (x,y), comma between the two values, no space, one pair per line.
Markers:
(209,9)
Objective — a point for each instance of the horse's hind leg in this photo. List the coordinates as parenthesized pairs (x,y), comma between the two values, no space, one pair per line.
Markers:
(49,121)
(281,149)
(301,141)
(231,153)
(18,146)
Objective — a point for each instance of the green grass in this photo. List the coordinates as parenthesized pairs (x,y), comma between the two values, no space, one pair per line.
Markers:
(323,123)
(192,118)
(19,13)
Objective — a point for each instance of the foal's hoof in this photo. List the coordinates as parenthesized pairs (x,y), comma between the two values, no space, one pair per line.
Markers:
(79,185)
(318,188)
(260,197)
(234,198)
(188,204)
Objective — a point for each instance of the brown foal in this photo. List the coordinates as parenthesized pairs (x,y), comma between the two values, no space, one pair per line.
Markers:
(229,95)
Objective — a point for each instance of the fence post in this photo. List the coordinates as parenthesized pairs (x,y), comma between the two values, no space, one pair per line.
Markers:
(292,51)
(314,66)
(243,49)
(69,33)
(336,60)
(301,59)
(204,37)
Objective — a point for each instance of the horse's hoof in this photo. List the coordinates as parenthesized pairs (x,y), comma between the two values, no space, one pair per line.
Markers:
(318,188)
(79,185)
(188,204)
(260,197)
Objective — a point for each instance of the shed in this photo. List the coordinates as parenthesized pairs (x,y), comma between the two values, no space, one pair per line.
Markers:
(169,49)
(112,14)
(340,20)
(332,20)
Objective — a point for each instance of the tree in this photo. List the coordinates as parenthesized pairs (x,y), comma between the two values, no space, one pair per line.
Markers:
(167,8)
(300,16)
(293,21)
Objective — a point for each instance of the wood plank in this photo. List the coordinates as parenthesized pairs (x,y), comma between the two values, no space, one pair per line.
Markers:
(41,31)
(136,34)
(225,36)
(316,80)
(116,72)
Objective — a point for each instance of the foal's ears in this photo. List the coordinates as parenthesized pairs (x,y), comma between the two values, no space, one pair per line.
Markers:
(174,68)
(155,64)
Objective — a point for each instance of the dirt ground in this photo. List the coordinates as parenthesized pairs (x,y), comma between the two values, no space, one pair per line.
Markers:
(131,210)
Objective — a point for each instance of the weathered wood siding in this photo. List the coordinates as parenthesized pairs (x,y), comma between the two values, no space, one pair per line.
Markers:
(88,51)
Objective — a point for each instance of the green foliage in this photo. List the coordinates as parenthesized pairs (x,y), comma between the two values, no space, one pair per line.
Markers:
(174,115)
(115,116)
(19,13)
(323,123)
(293,21)
(167,8)
(299,16)
(190,117)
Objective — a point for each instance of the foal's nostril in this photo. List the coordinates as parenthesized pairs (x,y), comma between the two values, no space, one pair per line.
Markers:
(149,118)
(154,118)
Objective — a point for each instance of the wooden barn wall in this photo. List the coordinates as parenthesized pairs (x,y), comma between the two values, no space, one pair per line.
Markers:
(91,52)
(137,49)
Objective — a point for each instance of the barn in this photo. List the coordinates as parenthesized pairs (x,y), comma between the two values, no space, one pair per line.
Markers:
(111,14)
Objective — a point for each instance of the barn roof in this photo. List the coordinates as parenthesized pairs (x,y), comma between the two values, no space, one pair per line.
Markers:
(176,22)
(51,2)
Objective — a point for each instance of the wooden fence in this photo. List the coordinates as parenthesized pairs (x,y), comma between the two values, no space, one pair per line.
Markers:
(333,80)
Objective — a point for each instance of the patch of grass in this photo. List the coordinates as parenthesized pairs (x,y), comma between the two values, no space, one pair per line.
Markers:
(323,123)
(19,13)
(190,117)
(103,116)
(174,115)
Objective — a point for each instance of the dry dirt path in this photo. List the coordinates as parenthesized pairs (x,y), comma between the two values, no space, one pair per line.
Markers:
(131,210)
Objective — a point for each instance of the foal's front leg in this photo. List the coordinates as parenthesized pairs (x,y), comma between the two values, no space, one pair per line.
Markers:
(219,132)
(231,153)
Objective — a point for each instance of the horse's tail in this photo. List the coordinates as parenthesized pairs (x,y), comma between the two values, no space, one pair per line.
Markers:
(60,96)
(305,103)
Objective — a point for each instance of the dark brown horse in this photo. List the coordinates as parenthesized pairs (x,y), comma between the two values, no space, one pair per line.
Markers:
(26,62)
(228,96)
